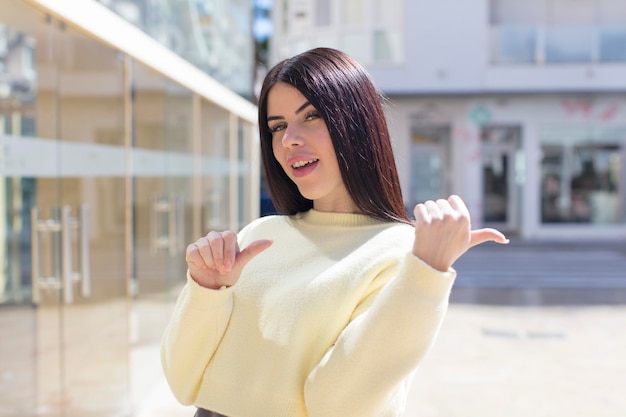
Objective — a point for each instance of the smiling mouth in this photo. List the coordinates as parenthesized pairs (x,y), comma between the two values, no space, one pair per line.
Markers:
(301,164)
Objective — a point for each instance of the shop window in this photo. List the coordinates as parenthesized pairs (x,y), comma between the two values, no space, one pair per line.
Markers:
(430,158)
(502,169)
(580,183)
(557,31)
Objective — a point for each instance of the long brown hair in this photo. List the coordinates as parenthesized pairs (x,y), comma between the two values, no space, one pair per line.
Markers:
(343,93)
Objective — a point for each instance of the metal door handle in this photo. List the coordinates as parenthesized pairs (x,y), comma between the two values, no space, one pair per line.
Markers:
(64,230)
(169,211)
(80,225)
(66,255)
(85,259)
(51,227)
(160,208)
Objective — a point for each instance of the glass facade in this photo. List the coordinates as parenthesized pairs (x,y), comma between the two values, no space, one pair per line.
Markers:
(214,35)
(371,31)
(430,158)
(557,31)
(582,175)
(108,169)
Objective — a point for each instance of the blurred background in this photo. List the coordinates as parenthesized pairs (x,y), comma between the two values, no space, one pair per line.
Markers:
(128,128)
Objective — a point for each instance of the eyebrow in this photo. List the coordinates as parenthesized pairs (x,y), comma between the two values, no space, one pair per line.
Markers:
(304,106)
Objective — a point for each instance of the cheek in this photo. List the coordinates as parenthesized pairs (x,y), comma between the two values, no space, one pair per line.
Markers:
(278,151)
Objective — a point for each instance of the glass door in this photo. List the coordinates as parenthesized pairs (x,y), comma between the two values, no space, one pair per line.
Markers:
(430,159)
(501,167)
(95,310)
(163,212)
(30,273)
(63,297)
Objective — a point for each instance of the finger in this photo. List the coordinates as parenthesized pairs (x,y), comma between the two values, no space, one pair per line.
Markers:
(252,250)
(421,214)
(216,244)
(486,235)
(230,249)
(204,251)
(457,203)
(193,256)
(445,208)
(433,210)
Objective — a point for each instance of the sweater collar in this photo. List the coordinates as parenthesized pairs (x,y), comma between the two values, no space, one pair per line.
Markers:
(322,218)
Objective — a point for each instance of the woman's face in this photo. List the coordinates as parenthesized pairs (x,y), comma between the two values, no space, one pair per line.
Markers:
(303,148)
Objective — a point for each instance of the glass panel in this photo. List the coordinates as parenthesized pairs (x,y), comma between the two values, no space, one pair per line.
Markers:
(213,35)
(247,210)
(513,44)
(163,164)
(581,177)
(30,368)
(95,317)
(430,157)
(569,44)
(387,46)
(215,169)
(496,167)
(503,175)
(612,43)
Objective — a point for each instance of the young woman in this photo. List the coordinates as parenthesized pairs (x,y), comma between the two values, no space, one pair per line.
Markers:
(327,309)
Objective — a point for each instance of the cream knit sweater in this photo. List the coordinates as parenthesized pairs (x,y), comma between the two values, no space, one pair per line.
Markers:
(330,321)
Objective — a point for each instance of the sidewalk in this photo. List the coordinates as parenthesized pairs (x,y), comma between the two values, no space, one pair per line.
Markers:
(493,361)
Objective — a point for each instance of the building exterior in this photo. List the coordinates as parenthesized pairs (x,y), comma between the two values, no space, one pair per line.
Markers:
(519,107)
(115,153)
(213,35)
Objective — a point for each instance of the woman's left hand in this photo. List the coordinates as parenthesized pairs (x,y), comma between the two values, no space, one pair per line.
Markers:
(443,232)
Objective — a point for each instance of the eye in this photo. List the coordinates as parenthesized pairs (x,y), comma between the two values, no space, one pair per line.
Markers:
(312,115)
(277,127)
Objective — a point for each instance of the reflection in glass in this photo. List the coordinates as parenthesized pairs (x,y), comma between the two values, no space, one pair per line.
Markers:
(514,44)
(429,159)
(569,44)
(612,43)
(580,183)
(213,35)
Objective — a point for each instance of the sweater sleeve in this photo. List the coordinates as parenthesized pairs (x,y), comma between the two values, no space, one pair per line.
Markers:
(391,331)
(194,332)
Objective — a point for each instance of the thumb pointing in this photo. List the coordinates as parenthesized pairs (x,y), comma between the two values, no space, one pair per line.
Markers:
(252,250)
(486,235)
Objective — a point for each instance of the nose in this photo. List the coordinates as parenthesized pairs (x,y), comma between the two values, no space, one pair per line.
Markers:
(291,137)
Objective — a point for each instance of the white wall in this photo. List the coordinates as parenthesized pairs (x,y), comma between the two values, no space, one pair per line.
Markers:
(445,47)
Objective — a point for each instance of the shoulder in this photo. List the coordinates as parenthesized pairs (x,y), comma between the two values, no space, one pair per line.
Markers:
(260,227)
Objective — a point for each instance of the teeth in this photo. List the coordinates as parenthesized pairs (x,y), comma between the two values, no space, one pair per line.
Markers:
(300,164)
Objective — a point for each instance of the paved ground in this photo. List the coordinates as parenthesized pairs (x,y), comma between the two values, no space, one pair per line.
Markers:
(532,331)
(493,361)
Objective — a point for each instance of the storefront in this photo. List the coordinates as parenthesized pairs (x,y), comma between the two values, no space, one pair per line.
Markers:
(114,154)
(537,166)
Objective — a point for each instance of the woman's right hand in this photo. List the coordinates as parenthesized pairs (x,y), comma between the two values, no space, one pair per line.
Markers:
(215,260)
